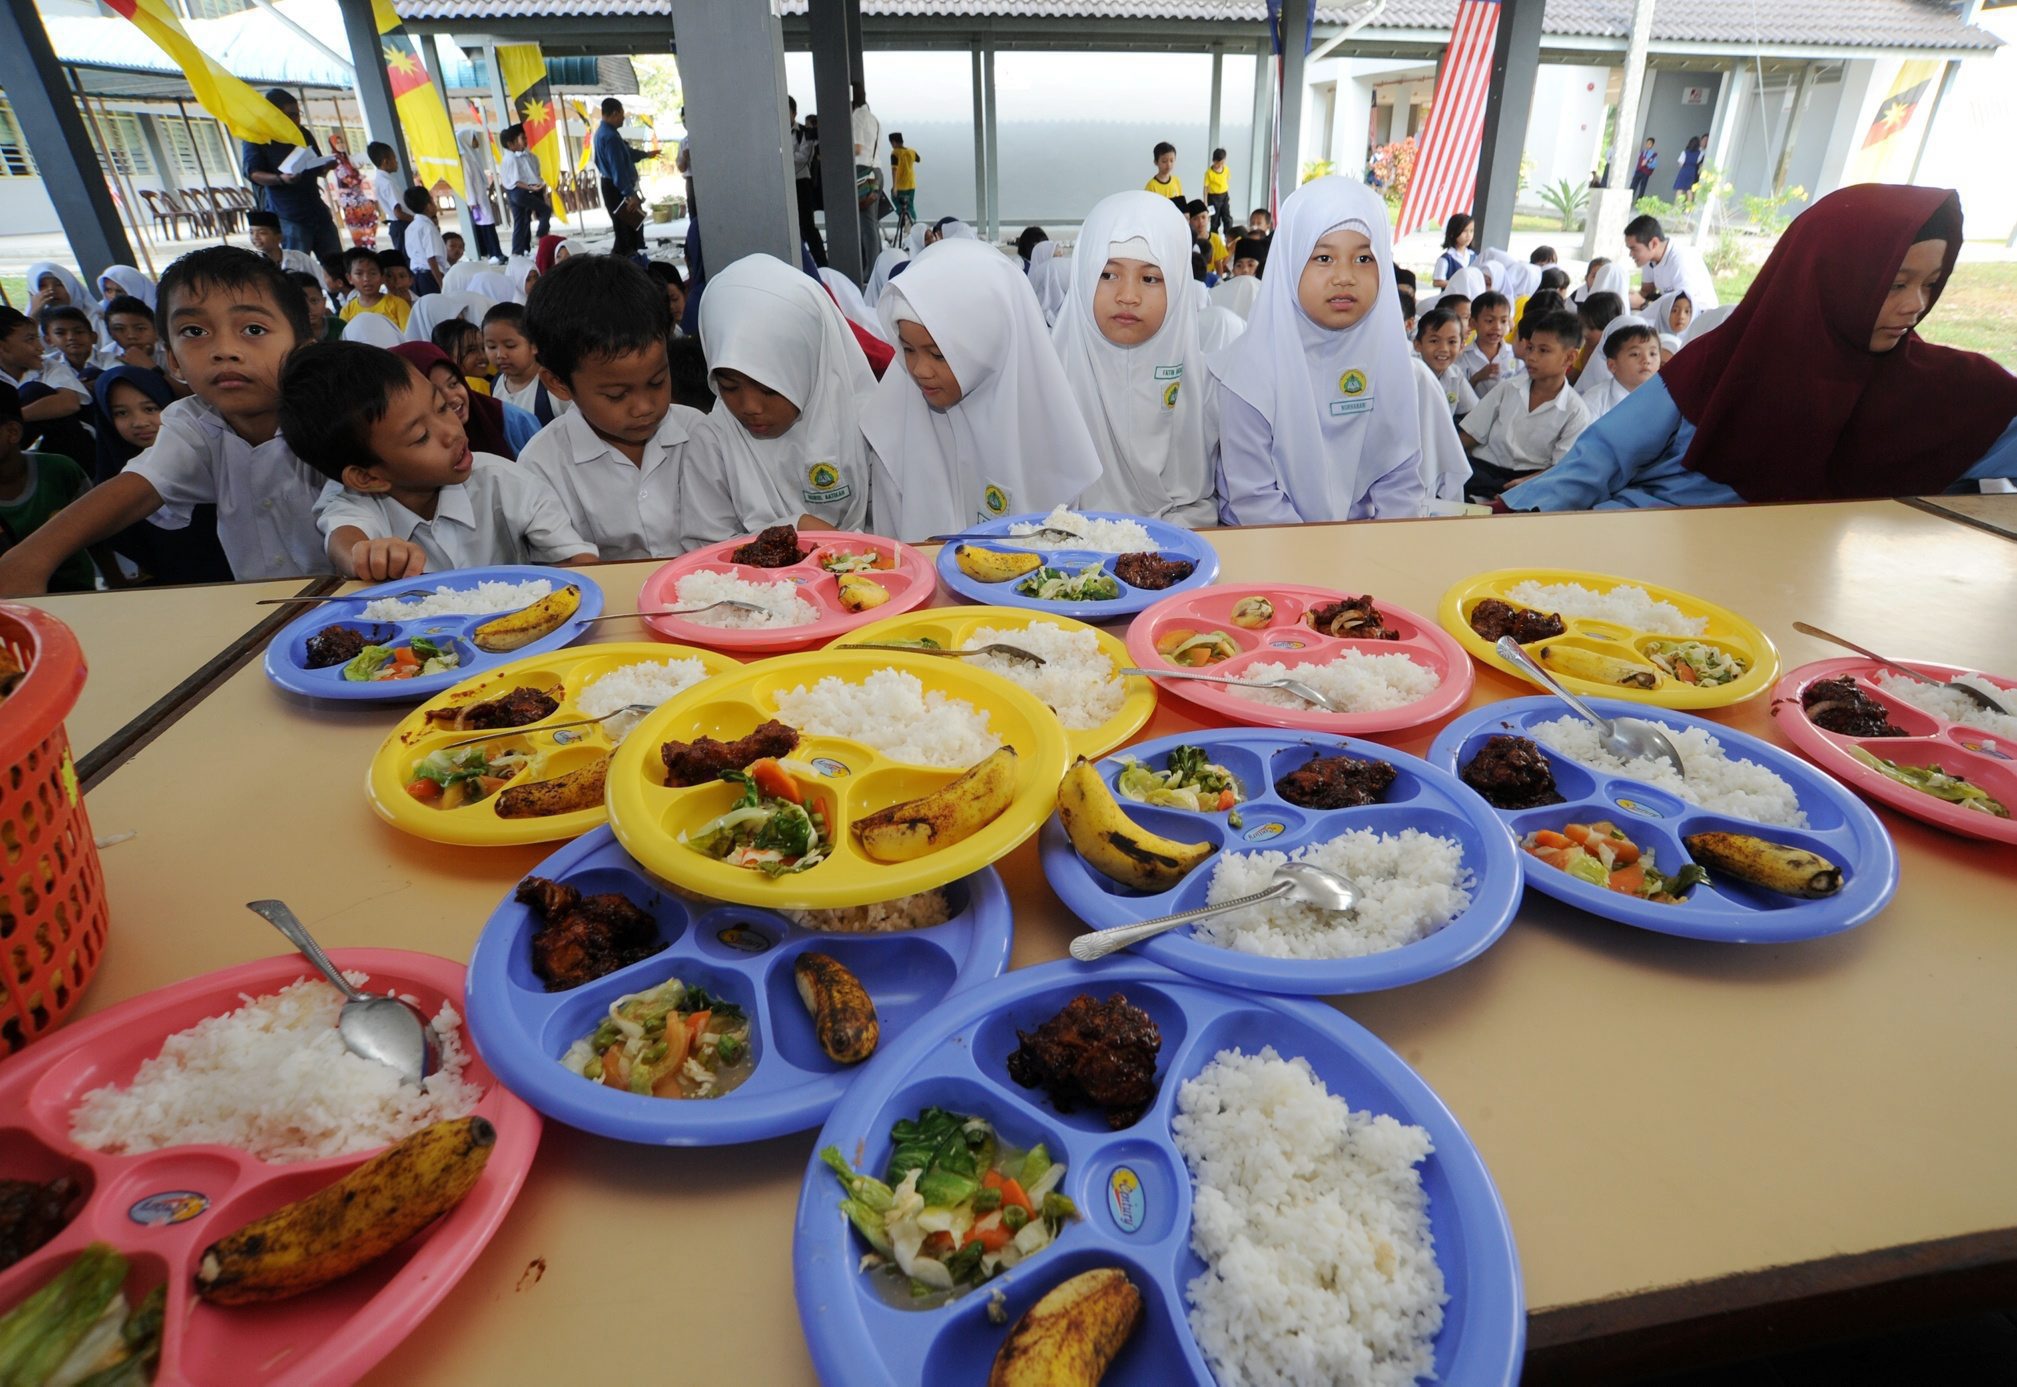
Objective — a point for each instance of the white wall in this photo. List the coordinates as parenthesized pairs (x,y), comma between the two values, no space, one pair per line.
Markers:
(1565,126)
(1969,147)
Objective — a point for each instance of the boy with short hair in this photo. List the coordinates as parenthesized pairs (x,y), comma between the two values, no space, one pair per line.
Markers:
(1633,355)
(1439,340)
(398,272)
(514,367)
(385,190)
(231,318)
(69,340)
(54,403)
(1219,195)
(1528,422)
(263,230)
(410,495)
(1261,224)
(903,161)
(454,244)
(366,275)
(1208,252)
(323,326)
(425,247)
(1543,256)
(1165,182)
(34,487)
(134,341)
(640,475)
(1490,358)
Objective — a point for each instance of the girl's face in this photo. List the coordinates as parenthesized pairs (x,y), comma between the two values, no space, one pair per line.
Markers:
(675,299)
(928,367)
(1910,295)
(508,351)
(470,359)
(1340,281)
(53,290)
(1638,363)
(1131,301)
(1464,236)
(1682,314)
(452,389)
(137,418)
(758,408)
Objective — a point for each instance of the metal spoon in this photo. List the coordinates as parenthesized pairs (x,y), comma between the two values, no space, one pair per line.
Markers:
(1012,652)
(1982,699)
(383,1029)
(1628,739)
(1302,882)
(351,597)
(1294,687)
(735,602)
(1006,539)
(533,728)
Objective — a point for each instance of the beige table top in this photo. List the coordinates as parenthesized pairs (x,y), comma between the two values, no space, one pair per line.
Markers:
(1654,1110)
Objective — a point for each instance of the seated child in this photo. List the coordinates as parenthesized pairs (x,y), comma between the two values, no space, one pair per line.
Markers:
(410,495)
(514,369)
(1598,311)
(69,339)
(493,426)
(1528,422)
(134,341)
(461,341)
(34,487)
(1408,311)
(1632,352)
(1459,304)
(131,400)
(1490,358)
(1439,341)
(323,326)
(368,293)
(689,374)
(1556,278)
(398,272)
(53,400)
(1543,256)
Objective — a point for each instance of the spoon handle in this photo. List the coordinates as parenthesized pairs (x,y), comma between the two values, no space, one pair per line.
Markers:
(1510,651)
(1087,948)
(276,914)
(1193,674)
(1804,629)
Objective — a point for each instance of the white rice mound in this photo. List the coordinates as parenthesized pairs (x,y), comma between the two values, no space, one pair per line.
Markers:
(1076,679)
(1716,780)
(1099,536)
(1411,884)
(1320,1264)
(273,1078)
(892,712)
(1950,704)
(1627,604)
(921,911)
(1356,681)
(472,601)
(782,606)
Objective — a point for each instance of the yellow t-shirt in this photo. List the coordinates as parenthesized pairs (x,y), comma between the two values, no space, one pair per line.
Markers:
(390,305)
(1217,180)
(904,161)
(1220,257)
(1173,188)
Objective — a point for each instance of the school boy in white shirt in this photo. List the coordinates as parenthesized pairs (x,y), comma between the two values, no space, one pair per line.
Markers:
(406,495)
(1439,338)
(426,251)
(1490,358)
(385,191)
(1526,424)
(1666,266)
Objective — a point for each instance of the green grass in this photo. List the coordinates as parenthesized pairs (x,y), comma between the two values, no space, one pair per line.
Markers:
(17,289)
(1978,312)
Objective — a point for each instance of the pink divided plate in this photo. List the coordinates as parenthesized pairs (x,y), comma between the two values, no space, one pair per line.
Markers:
(908,578)
(162,1208)
(1288,639)
(1972,750)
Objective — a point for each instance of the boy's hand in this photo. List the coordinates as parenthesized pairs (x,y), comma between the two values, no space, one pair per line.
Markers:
(1491,372)
(382,560)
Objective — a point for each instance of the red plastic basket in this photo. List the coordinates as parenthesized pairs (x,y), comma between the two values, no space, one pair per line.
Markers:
(52,890)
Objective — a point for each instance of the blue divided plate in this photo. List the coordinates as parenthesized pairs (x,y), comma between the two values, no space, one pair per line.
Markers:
(1840,827)
(736,951)
(1171,541)
(287,655)
(1138,1221)
(1421,797)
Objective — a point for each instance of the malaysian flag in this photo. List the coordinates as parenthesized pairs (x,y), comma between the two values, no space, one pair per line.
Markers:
(1446,163)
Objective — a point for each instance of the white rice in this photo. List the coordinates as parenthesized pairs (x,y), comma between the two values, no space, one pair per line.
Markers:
(1627,604)
(922,911)
(649,682)
(1950,704)
(471,601)
(273,1078)
(1716,780)
(782,606)
(1411,884)
(892,712)
(1076,678)
(1320,1264)
(1355,681)
(1100,536)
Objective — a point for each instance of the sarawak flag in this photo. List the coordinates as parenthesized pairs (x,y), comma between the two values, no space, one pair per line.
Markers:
(1883,143)
(588,137)
(430,139)
(523,70)
(243,111)
(1445,178)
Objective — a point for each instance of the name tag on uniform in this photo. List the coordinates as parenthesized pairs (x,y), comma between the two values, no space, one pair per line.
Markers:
(1175,372)
(1340,408)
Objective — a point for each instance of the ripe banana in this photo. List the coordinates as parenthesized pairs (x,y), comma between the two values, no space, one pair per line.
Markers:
(1114,845)
(993,565)
(341,1227)
(858,594)
(947,815)
(1578,663)
(1774,866)
(521,628)
(843,1016)
(565,794)
(1070,1337)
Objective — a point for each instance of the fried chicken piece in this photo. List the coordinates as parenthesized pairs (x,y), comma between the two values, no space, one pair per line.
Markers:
(1094,1054)
(334,645)
(1492,619)
(1353,617)
(519,708)
(584,937)
(1511,773)
(31,1213)
(1336,782)
(776,547)
(1839,706)
(1151,571)
(702,760)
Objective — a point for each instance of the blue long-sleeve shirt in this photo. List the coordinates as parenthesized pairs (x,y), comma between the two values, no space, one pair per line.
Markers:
(1252,491)
(614,160)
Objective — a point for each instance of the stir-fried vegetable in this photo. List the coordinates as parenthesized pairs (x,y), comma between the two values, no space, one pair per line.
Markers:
(454,777)
(1189,781)
(76,1330)
(1600,854)
(1693,662)
(1090,584)
(773,827)
(1193,649)
(1938,783)
(419,656)
(671,1041)
(841,561)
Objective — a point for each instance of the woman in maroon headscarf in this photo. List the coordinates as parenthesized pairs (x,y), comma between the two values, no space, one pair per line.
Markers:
(482,416)
(1818,387)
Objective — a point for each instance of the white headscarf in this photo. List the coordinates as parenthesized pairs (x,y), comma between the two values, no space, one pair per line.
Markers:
(1219,328)
(1707,320)
(953,229)
(774,324)
(850,300)
(1237,295)
(430,311)
(1039,253)
(1052,280)
(1518,280)
(1662,309)
(1597,370)
(495,286)
(1611,280)
(130,281)
(519,269)
(1341,405)
(374,330)
(461,273)
(65,276)
(1013,443)
(1143,405)
(878,278)
(1446,468)
(1468,282)
(914,243)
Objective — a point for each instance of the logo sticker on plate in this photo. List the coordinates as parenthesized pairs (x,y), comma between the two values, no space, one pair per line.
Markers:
(745,939)
(829,767)
(167,1207)
(1126,1200)
(1285,645)
(1632,806)
(1261,833)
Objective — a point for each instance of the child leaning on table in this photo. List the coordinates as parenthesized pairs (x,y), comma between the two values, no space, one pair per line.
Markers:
(1529,421)
(230,317)
(34,488)
(410,495)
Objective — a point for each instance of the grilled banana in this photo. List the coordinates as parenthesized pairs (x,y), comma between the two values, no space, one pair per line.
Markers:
(514,630)
(843,1016)
(947,815)
(1070,1337)
(1114,845)
(1774,866)
(564,794)
(993,565)
(341,1227)
(858,594)
(1578,663)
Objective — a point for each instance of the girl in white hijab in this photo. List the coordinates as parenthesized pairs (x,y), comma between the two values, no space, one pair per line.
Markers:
(1518,281)
(878,278)
(850,299)
(1218,328)
(1128,342)
(523,274)
(491,284)
(430,311)
(461,273)
(1611,279)
(979,423)
(374,330)
(1052,280)
(1319,406)
(126,279)
(1237,294)
(792,382)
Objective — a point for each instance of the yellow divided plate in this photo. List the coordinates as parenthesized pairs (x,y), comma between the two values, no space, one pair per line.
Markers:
(953,628)
(851,781)
(562,674)
(1600,636)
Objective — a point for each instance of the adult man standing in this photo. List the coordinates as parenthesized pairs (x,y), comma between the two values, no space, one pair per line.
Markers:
(804,147)
(616,162)
(867,132)
(296,198)
(1667,267)
(524,190)
(1642,172)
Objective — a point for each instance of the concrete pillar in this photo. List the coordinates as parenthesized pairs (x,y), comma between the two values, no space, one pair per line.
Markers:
(374,84)
(1259,166)
(1516,62)
(56,136)
(731,60)
(1295,21)
(500,100)
(1610,208)
(992,231)
(1218,88)
(1801,96)
(831,81)
(979,141)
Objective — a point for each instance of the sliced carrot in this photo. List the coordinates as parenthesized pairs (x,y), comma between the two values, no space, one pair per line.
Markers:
(1012,1193)
(696,1023)
(991,1180)
(1548,838)
(1228,798)
(1630,881)
(774,780)
(612,1066)
(425,789)
(992,1238)
(1684,672)
(937,1245)
(405,656)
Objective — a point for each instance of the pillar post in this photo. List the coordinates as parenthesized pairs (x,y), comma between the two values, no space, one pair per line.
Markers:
(1516,61)
(56,136)
(831,82)
(731,60)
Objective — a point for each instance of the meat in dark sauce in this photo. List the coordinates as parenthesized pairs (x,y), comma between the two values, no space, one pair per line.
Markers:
(31,1213)
(776,547)
(704,759)
(1492,619)
(1152,571)
(583,938)
(1839,706)
(334,645)
(522,707)
(1355,618)
(1336,782)
(1092,1054)
(1511,773)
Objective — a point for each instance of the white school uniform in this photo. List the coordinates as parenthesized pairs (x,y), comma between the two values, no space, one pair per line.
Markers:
(1446,469)
(386,191)
(626,511)
(501,514)
(1236,293)
(1606,396)
(1597,370)
(1521,439)
(1472,359)
(424,243)
(56,373)
(527,397)
(1456,388)
(1682,268)
(265,496)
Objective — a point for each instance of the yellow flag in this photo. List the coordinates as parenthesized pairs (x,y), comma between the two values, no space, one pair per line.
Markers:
(522,67)
(587,139)
(430,139)
(243,111)
(1885,153)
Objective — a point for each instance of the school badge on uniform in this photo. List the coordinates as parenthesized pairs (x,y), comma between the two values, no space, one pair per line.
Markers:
(1357,392)
(1175,376)
(1170,394)
(823,485)
(994,501)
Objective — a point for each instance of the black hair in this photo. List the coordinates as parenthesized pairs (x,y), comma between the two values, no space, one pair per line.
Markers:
(451,235)
(1454,228)
(1407,303)
(62,313)
(12,320)
(1599,263)
(1645,229)
(1262,212)
(688,364)
(1564,327)
(1405,277)
(332,265)
(1463,299)
(360,255)
(378,149)
(1218,154)
(510,133)
(330,395)
(611,104)
(1554,277)
(1029,240)
(417,199)
(129,306)
(449,335)
(895,138)
(1545,303)
(1489,300)
(665,272)
(513,313)
(1543,255)
(1599,309)
(1254,248)
(1195,207)
(229,267)
(394,259)
(594,306)
(10,404)
(1163,147)
(1435,320)
(1626,336)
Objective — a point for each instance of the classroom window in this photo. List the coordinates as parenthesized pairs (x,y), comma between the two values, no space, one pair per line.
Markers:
(15,160)
(125,148)
(215,164)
